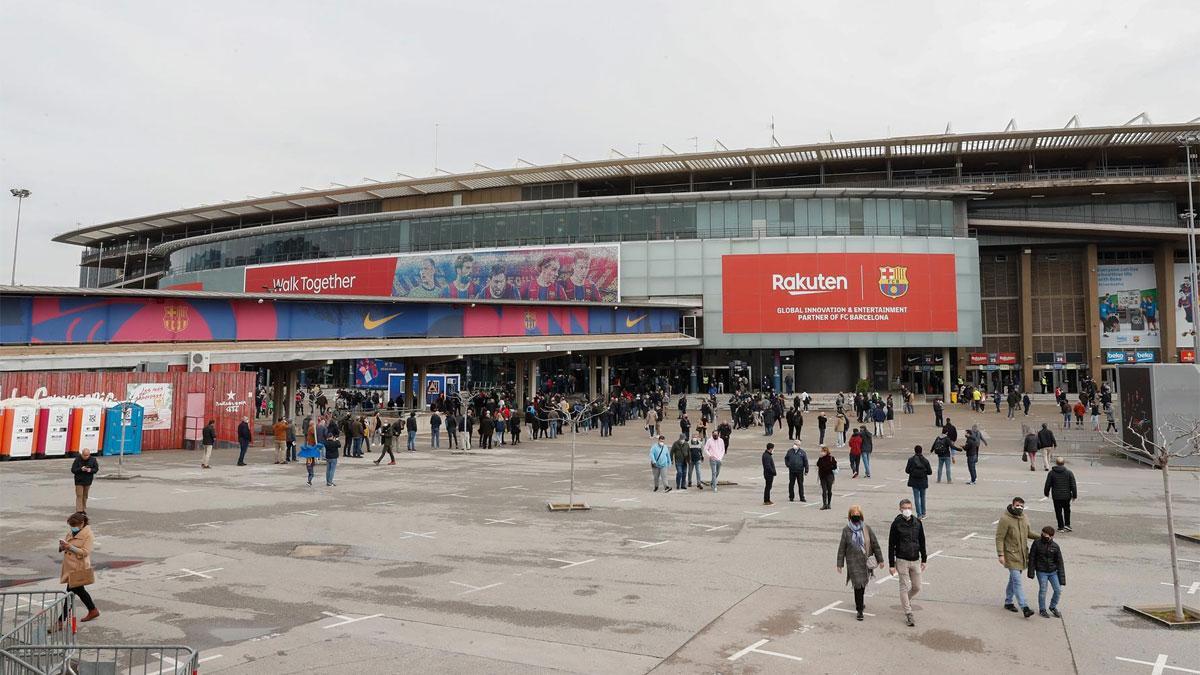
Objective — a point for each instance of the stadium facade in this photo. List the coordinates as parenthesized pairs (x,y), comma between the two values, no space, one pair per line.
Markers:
(1007,257)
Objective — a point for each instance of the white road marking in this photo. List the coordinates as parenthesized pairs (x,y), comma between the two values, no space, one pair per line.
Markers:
(1159,665)
(204,574)
(345,619)
(995,522)
(515,487)
(876,487)
(648,544)
(455,494)
(933,555)
(381,503)
(709,528)
(973,534)
(214,657)
(1189,560)
(570,563)
(833,606)
(473,589)
(305,513)
(760,514)
(565,480)
(181,491)
(754,648)
(426,535)
(955,557)
(627,499)
(1191,590)
(493,521)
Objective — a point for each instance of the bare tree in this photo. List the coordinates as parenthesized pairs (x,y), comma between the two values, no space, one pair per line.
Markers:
(585,413)
(1171,440)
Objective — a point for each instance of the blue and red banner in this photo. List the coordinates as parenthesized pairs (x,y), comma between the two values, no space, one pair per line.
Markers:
(91,320)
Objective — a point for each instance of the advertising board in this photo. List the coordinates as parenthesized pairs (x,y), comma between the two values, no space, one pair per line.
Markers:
(1128,306)
(1185,313)
(156,399)
(839,292)
(586,273)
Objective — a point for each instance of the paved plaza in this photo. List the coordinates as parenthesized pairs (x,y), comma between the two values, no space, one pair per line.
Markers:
(452,563)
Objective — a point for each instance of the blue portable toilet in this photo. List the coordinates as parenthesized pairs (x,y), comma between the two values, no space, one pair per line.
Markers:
(123,418)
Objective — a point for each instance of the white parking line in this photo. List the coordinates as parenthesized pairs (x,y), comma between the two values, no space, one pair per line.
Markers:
(474,589)
(709,528)
(204,574)
(381,503)
(570,563)
(345,619)
(426,535)
(973,534)
(648,544)
(216,524)
(833,606)
(305,513)
(515,487)
(1191,590)
(754,648)
(1159,665)
(493,521)
(760,514)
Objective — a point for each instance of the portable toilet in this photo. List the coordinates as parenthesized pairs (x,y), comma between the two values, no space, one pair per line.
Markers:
(87,425)
(19,433)
(123,429)
(54,422)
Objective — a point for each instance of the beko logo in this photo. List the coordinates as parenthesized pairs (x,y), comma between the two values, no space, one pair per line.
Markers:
(798,284)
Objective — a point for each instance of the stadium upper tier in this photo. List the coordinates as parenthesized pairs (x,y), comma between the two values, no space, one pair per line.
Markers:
(1015,163)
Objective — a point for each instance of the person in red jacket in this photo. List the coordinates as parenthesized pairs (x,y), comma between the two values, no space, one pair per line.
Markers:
(856,442)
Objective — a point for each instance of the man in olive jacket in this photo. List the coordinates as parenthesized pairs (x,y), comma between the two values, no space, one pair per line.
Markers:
(1012,532)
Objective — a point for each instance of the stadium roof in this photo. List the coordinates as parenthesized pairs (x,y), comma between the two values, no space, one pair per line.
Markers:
(630,167)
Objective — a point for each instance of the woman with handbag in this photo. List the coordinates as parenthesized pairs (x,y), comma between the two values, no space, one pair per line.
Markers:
(77,570)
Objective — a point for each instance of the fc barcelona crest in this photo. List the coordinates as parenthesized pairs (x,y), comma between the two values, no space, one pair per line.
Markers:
(175,317)
(893,281)
(530,322)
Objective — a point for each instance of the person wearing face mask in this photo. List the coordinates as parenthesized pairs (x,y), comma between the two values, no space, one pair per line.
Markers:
(1012,531)
(1046,562)
(919,471)
(826,470)
(855,550)
(714,450)
(906,556)
(77,562)
(660,459)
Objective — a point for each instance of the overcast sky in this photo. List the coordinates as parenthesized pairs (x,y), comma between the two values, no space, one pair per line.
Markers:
(111,110)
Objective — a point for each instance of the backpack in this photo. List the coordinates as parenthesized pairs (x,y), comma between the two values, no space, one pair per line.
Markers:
(941,446)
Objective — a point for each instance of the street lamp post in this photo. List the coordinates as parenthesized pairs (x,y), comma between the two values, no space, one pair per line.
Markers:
(1188,140)
(20,194)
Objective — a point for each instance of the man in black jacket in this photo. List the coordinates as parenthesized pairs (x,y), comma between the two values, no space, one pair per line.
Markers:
(1046,565)
(1060,487)
(918,471)
(796,461)
(1046,443)
(768,462)
(906,546)
(84,468)
(208,438)
(243,440)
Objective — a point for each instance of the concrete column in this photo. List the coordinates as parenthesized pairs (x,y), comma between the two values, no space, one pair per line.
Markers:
(946,375)
(591,378)
(894,365)
(1091,291)
(605,376)
(408,386)
(278,393)
(1164,271)
(1025,289)
(519,372)
(694,375)
(533,382)
(423,372)
(292,385)
(863,364)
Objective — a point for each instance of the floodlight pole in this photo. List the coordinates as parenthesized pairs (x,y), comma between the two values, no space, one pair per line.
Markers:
(20,194)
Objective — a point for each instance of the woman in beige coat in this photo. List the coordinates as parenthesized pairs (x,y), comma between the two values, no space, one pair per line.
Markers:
(77,562)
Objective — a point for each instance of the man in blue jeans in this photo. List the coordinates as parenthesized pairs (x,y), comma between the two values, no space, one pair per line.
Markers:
(942,448)
(1012,532)
(918,471)
(333,449)
(410,425)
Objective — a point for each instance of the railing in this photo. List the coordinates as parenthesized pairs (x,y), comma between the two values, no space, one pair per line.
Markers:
(39,620)
(124,659)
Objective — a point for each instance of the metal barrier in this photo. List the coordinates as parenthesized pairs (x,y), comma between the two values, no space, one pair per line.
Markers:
(100,660)
(39,620)
(19,608)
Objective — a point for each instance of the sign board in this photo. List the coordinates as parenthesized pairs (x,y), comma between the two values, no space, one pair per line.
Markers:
(839,292)
(156,399)
(1128,306)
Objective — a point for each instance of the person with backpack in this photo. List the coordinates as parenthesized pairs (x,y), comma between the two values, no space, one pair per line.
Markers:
(868,446)
(941,448)
(906,556)
(679,455)
(918,471)
(1046,565)
(1060,487)
(696,458)
(971,448)
(796,461)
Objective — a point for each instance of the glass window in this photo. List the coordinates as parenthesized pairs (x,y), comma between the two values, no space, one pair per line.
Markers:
(910,216)
(947,217)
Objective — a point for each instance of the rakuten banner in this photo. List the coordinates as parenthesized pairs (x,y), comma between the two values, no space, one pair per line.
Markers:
(839,292)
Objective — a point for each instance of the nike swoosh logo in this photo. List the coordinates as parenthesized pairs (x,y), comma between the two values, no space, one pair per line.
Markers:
(372,324)
(630,323)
